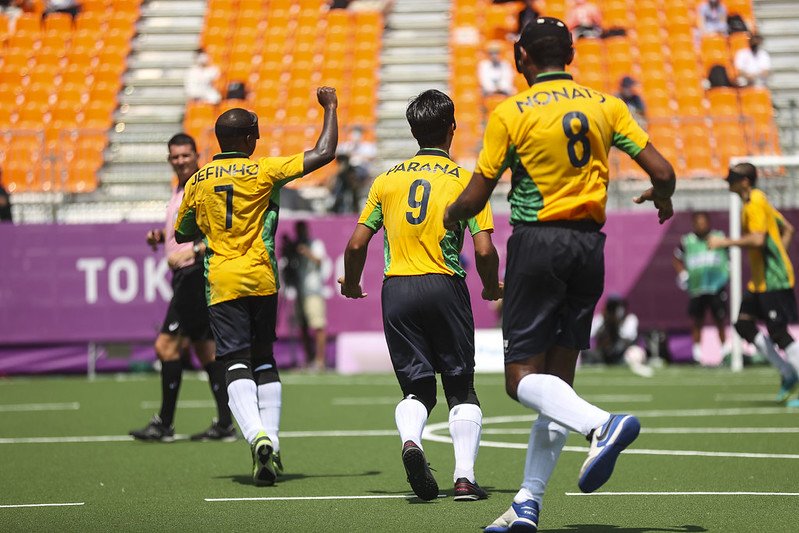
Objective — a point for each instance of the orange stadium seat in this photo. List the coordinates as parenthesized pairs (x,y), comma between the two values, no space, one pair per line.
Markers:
(28,23)
(58,22)
(714,51)
(723,101)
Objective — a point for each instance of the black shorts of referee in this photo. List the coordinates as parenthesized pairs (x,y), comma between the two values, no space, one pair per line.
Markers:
(187,313)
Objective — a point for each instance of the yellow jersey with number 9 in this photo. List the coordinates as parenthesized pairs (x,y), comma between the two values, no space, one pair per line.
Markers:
(408,201)
(555,137)
(233,202)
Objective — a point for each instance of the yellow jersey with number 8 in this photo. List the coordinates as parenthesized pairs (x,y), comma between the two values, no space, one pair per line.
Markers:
(555,137)
(233,202)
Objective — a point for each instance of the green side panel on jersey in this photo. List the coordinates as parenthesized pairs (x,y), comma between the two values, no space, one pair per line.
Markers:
(776,271)
(626,145)
(386,253)
(375,219)
(188,224)
(525,198)
(451,246)
(268,236)
(206,267)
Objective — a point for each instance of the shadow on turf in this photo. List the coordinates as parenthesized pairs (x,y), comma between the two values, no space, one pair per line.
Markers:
(247,480)
(601,528)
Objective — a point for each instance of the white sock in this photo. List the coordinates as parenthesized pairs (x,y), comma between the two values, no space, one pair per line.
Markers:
(696,352)
(792,352)
(243,402)
(766,346)
(546,442)
(269,402)
(555,399)
(465,424)
(411,416)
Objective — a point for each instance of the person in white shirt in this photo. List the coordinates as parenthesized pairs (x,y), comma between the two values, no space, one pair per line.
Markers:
(495,74)
(614,333)
(753,64)
(200,78)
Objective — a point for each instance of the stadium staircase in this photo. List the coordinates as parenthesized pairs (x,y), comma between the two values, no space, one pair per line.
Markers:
(415,58)
(777,21)
(136,178)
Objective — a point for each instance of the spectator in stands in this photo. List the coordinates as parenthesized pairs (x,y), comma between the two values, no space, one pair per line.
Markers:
(614,337)
(70,7)
(753,64)
(361,152)
(584,19)
(346,186)
(5,202)
(712,17)
(529,13)
(200,78)
(12,9)
(339,4)
(495,74)
(312,267)
(634,102)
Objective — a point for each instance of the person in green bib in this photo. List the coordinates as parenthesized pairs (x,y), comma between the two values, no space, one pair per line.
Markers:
(704,274)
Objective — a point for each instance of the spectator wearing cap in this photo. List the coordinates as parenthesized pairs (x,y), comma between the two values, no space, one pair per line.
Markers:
(712,17)
(634,102)
(753,64)
(584,19)
(495,74)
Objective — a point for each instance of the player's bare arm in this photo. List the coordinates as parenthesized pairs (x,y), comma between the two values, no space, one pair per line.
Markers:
(354,261)
(486,261)
(325,149)
(470,202)
(750,240)
(786,233)
(661,174)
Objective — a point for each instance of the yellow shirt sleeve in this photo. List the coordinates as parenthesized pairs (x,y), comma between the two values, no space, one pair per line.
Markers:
(186,221)
(372,214)
(628,136)
(281,170)
(483,221)
(496,154)
(756,212)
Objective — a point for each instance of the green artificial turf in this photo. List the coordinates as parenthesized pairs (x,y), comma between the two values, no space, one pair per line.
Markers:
(133,486)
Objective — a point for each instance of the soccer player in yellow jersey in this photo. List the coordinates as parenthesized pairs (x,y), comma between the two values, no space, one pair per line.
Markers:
(769,296)
(233,202)
(427,314)
(555,137)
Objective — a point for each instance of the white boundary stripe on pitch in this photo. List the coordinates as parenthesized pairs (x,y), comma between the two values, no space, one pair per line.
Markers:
(184,404)
(671,431)
(28,407)
(695,493)
(377,400)
(21,505)
(300,498)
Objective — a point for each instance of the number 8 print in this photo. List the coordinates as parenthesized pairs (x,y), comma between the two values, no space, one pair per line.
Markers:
(580,136)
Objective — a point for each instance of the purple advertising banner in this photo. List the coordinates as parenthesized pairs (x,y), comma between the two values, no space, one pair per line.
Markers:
(102,283)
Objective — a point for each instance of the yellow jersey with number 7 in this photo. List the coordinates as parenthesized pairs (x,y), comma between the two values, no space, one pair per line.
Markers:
(233,201)
(555,137)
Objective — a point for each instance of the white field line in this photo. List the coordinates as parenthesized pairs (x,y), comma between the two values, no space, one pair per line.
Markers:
(20,505)
(695,493)
(671,431)
(744,397)
(182,404)
(28,407)
(301,498)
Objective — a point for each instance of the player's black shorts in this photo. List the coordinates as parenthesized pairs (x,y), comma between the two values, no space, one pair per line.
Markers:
(716,303)
(428,325)
(554,277)
(244,324)
(775,308)
(187,313)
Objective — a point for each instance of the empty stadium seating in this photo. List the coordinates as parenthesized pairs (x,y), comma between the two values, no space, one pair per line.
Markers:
(698,129)
(59,80)
(283,53)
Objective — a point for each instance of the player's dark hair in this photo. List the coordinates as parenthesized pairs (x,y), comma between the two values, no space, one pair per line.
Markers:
(697,214)
(746,170)
(233,126)
(430,115)
(182,139)
(548,52)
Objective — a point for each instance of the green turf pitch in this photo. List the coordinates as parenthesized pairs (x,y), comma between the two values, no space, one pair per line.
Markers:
(339,440)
